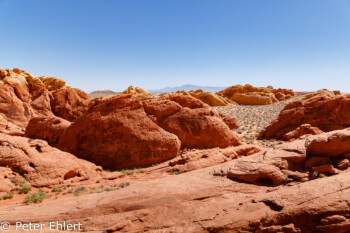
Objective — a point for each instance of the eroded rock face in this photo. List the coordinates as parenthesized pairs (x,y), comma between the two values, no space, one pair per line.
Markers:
(326,113)
(69,103)
(41,164)
(266,167)
(209,98)
(123,131)
(301,131)
(194,122)
(6,175)
(116,133)
(331,144)
(249,95)
(50,129)
(197,159)
(230,121)
(24,96)
(324,154)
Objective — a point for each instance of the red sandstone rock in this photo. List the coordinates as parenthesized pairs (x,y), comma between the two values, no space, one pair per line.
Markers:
(326,113)
(197,159)
(6,175)
(317,161)
(334,143)
(201,203)
(194,122)
(343,164)
(41,164)
(265,167)
(24,96)
(116,133)
(50,129)
(230,121)
(323,168)
(69,103)
(300,131)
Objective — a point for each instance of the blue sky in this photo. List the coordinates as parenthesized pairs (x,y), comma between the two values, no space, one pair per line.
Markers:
(111,44)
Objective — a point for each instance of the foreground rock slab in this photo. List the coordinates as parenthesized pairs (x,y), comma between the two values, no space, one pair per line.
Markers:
(201,202)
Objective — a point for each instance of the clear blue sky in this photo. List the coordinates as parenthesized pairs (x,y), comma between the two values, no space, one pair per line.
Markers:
(111,44)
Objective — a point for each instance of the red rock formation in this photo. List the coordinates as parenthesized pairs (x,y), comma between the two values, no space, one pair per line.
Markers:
(249,95)
(41,164)
(301,131)
(123,132)
(326,113)
(331,144)
(24,96)
(69,103)
(197,159)
(230,121)
(193,121)
(50,129)
(116,133)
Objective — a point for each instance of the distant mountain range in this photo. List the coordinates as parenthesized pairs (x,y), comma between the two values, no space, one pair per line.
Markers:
(187,87)
(106,93)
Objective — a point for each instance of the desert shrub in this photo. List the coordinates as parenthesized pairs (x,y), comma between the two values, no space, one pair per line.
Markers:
(36,197)
(9,195)
(57,189)
(24,188)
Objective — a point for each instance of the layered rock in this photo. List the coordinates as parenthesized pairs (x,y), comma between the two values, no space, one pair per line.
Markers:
(249,95)
(197,159)
(326,113)
(209,98)
(69,103)
(123,132)
(42,164)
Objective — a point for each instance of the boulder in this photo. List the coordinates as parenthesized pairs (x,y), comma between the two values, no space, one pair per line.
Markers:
(69,103)
(343,164)
(331,144)
(42,164)
(116,133)
(301,131)
(194,122)
(230,121)
(326,113)
(125,132)
(323,168)
(266,167)
(50,129)
(317,161)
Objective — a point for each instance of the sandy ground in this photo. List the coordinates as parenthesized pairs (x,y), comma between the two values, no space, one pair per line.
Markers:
(252,119)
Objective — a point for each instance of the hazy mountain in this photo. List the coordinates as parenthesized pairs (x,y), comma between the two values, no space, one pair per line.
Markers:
(105,93)
(187,87)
